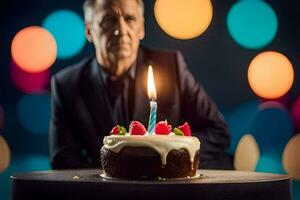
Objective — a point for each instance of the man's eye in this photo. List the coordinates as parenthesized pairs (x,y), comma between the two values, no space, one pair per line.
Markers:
(129,18)
(109,19)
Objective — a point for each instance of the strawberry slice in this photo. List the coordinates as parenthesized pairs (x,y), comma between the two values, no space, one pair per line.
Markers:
(163,128)
(136,128)
(186,129)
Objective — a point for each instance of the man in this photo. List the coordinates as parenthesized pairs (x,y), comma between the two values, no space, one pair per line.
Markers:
(91,97)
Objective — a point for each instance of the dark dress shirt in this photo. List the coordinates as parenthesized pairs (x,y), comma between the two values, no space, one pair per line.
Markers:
(86,104)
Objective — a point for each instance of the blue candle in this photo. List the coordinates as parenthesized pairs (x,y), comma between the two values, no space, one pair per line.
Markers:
(152,118)
(153,103)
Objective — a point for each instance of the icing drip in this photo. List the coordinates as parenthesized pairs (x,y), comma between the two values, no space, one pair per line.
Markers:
(162,144)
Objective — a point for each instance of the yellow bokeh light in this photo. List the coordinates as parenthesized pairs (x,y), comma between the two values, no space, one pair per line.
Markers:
(34,49)
(291,157)
(183,19)
(246,154)
(270,75)
(4,154)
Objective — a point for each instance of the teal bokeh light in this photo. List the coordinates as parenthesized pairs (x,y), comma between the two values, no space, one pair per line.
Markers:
(252,23)
(239,122)
(272,129)
(68,30)
(296,190)
(21,164)
(271,164)
(34,113)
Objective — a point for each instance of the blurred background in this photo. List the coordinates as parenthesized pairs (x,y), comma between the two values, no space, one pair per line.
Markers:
(246,54)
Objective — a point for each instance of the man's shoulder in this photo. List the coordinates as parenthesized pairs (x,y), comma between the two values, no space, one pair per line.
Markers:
(73,72)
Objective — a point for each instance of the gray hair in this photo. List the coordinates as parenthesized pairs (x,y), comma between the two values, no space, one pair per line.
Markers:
(88,8)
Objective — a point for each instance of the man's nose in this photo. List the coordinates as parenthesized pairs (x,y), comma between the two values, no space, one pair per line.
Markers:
(122,26)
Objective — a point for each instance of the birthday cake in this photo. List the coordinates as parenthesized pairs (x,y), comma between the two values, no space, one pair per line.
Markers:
(138,154)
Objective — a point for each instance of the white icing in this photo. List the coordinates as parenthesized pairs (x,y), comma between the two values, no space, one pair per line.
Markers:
(162,144)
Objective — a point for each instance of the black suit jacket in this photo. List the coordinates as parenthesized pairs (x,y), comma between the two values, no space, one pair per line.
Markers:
(81,117)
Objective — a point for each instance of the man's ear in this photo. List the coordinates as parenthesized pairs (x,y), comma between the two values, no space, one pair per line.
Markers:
(88,34)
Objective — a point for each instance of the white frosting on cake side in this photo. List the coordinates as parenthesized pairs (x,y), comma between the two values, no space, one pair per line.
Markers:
(162,144)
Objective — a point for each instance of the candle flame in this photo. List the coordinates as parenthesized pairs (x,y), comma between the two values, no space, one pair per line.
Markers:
(151,84)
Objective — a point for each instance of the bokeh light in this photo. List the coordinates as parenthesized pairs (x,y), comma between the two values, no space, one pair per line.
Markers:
(34,49)
(270,75)
(272,129)
(271,104)
(68,30)
(295,190)
(20,164)
(252,23)
(291,157)
(283,101)
(183,19)
(247,154)
(29,82)
(239,122)
(34,113)
(4,154)
(1,118)
(270,163)
(295,112)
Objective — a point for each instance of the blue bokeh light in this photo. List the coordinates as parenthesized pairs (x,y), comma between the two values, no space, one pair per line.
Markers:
(68,30)
(270,163)
(272,129)
(34,113)
(252,23)
(295,190)
(20,164)
(239,122)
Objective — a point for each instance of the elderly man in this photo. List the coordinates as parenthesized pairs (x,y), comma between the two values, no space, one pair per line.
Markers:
(89,98)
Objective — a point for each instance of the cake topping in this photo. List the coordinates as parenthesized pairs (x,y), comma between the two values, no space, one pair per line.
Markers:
(185,129)
(118,130)
(163,128)
(136,128)
(178,132)
(162,144)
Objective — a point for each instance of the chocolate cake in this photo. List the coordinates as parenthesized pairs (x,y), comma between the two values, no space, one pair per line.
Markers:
(143,156)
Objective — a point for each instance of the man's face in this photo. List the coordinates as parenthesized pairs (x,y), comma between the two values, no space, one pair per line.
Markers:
(115,30)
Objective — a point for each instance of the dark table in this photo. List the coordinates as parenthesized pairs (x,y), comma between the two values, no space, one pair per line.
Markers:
(212,184)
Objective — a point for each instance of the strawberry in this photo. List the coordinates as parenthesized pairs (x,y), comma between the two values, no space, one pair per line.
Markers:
(162,128)
(186,129)
(118,130)
(115,130)
(136,128)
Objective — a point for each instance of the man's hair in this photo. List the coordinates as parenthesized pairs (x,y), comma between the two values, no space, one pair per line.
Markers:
(88,8)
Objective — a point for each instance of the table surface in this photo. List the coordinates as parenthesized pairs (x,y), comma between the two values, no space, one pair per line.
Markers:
(206,177)
(89,184)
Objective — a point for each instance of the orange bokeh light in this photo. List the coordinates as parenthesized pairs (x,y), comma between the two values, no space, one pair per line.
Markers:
(183,19)
(270,75)
(34,49)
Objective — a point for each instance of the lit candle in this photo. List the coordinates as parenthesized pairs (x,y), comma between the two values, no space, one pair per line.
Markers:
(152,98)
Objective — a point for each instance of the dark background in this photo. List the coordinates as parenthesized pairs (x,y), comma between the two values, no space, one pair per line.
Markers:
(214,58)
